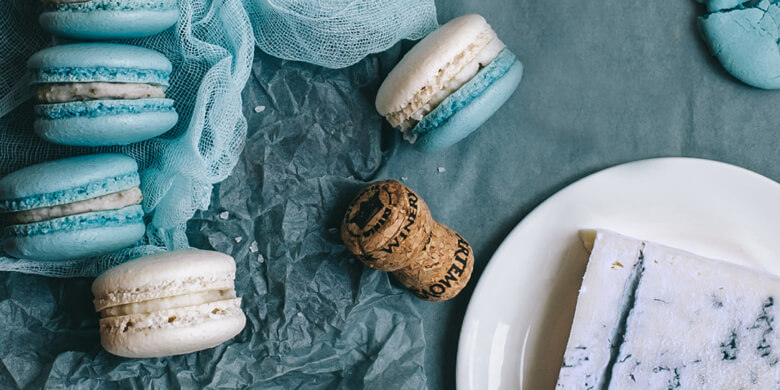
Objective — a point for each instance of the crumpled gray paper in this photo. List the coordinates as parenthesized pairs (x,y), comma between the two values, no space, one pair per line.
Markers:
(316,317)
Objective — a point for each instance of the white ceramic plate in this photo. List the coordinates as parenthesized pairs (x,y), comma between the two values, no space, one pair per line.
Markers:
(520,314)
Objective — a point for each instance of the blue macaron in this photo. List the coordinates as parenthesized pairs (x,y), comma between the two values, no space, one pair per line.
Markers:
(99,94)
(108,19)
(744,37)
(449,84)
(71,208)
(471,105)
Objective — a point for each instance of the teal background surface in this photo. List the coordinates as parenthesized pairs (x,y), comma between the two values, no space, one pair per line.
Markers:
(605,83)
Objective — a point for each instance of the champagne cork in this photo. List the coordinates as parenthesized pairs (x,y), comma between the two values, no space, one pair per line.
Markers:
(444,269)
(390,228)
(387,226)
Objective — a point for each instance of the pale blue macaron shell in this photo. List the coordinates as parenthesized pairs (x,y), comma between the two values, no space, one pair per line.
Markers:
(109,19)
(78,236)
(110,62)
(745,40)
(66,181)
(463,111)
(102,122)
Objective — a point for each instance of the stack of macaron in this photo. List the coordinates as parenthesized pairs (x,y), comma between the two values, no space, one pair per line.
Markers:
(102,94)
(449,83)
(89,94)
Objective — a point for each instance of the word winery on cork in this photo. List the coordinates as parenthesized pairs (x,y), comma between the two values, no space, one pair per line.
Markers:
(390,228)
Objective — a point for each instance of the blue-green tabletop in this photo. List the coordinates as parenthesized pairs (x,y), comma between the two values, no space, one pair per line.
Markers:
(606,82)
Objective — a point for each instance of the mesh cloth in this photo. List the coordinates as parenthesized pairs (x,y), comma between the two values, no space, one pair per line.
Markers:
(211,50)
(337,33)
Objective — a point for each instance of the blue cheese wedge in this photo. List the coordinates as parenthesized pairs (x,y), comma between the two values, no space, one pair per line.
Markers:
(687,322)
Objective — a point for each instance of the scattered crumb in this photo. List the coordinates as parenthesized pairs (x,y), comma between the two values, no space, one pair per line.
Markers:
(260,258)
(404,178)
(300,314)
(333,230)
(442,169)
(617,264)
(253,247)
(259,109)
(224,215)
(238,239)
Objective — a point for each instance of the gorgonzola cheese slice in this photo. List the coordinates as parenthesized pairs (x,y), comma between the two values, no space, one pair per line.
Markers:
(689,323)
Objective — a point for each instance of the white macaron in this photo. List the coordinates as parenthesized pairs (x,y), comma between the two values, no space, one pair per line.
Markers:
(449,83)
(168,304)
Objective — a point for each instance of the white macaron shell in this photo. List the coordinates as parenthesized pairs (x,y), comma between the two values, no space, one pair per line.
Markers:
(485,56)
(172,332)
(430,58)
(164,275)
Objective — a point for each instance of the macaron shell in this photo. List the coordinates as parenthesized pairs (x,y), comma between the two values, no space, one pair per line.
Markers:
(426,59)
(67,180)
(79,236)
(104,25)
(111,62)
(174,331)
(105,122)
(746,44)
(163,275)
(468,108)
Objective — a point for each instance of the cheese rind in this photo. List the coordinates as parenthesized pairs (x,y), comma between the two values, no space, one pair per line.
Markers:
(600,307)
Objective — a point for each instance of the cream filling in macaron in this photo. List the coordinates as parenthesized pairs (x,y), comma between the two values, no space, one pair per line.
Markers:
(69,92)
(114,201)
(175,302)
(458,72)
(197,315)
